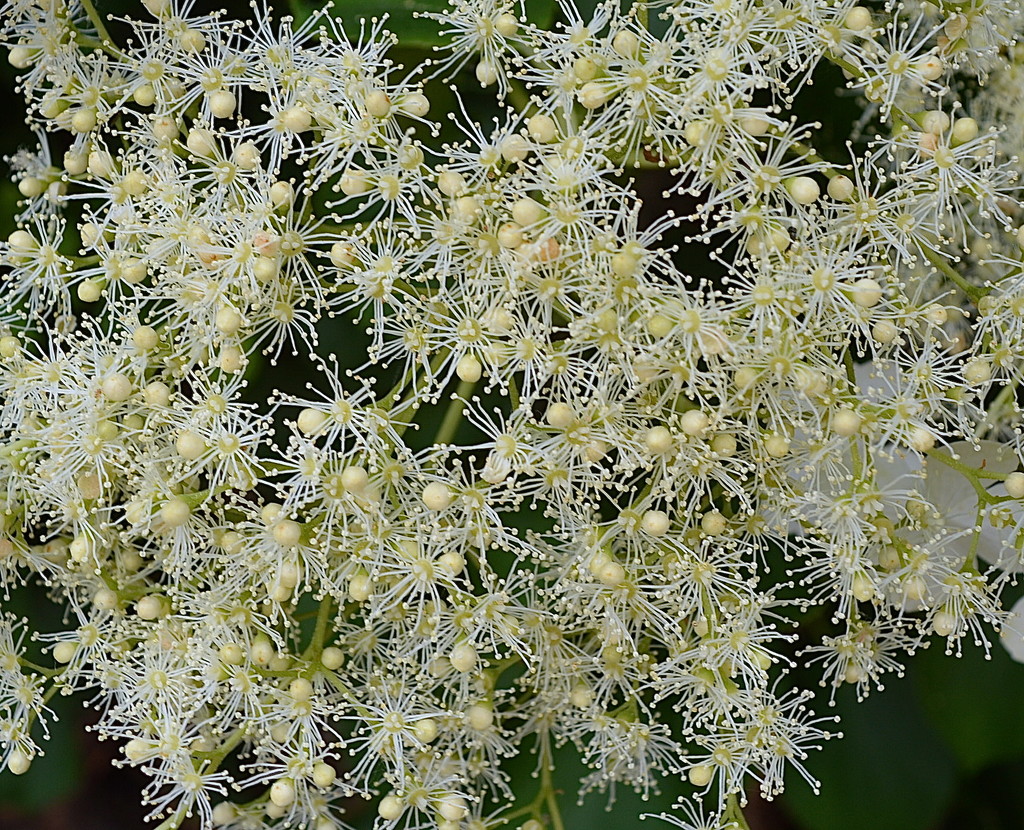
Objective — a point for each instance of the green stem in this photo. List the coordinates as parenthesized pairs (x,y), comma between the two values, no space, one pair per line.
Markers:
(453,415)
(971,562)
(28,664)
(550,798)
(855,448)
(734,813)
(97,21)
(971,474)
(973,292)
(323,617)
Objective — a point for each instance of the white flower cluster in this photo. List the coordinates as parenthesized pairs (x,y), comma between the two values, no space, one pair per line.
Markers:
(289,599)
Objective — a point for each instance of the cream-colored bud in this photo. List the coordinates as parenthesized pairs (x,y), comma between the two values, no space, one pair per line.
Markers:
(846,422)
(863,588)
(332,658)
(224,813)
(342,254)
(20,57)
(884,332)
(175,512)
(486,73)
(192,40)
(931,68)
(944,623)
(310,421)
(724,444)
(867,292)
(416,104)
(300,689)
(287,533)
(935,122)
(145,338)
(469,369)
(841,188)
(700,776)
(157,394)
(151,607)
(390,808)
(510,235)
(105,600)
(466,209)
(200,142)
(18,762)
(594,94)
(626,43)
(542,128)
(527,211)
(64,652)
(515,148)
(480,716)
(656,522)
(117,387)
(190,445)
(282,194)
(144,95)
(776,446)
(231,359)
(611,573)
(659,440)
(282,792)
(426,730)
(227,320)
(247,156)
(377,103)
(452,562)
(713,523)
(324,775)
(165,128)
(437,496)
(506,24)
(964,130)
(89,291)
(463,658)
(921,439)
(295,119)
(30,187)
(359,587)
(354,182)
(354,479)
(10,346)
(560,415)
(694,422)
(978,371)
(803,189)
(84,120)
(585,69)
(1015,485)
(222,103)
(76,162)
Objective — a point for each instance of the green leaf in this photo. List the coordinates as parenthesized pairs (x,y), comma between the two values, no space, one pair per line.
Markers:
(890,771)
(974,704)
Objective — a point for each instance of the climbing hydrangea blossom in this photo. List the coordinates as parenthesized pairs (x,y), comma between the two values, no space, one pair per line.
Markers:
(591,458)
